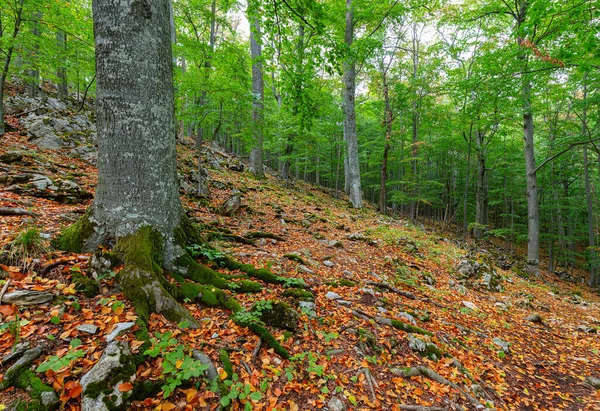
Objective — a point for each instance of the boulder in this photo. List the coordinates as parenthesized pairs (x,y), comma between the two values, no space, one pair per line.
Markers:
(27,298)
(101,384)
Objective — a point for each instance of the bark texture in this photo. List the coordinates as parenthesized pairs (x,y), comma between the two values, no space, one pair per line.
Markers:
(137,177)
(353,168)
(256,156)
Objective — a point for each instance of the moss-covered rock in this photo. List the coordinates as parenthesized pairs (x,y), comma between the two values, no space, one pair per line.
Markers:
(73,238)
(276,314)
(298,294)
(86,285)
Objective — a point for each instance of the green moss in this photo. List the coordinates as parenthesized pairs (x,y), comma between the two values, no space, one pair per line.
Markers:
(142,249)
(72,238)
(409,328)
(85,285)
(226,361)
(106,387)
(296,258)
(207,295)
(346,283)
(247,286)
(258,328)
(298,294)
(277,314)
(201,273)
(146,389)
(26,379)
(262,274)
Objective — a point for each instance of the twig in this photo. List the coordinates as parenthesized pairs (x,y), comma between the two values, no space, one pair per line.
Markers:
(53,264)
(4,290)
(257,349)
(370,380)
(429,373)
(393,289)
(85,93)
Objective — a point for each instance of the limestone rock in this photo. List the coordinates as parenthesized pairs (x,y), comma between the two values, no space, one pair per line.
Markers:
(119,328)
(115,367)
(502,344)
(535,318)
(87,328)
(27,298)
(231,205)
(335,404)
(332,296)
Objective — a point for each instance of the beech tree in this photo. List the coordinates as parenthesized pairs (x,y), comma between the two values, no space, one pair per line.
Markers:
(137,209)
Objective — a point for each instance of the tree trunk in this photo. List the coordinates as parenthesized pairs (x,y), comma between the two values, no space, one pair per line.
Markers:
(61,71)
(388,120)
(594,278)
(481,192)
(32,81)
(256,156)
(7,59)
(355,192)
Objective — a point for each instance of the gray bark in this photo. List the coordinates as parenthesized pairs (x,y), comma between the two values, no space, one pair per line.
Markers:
(137,176)
(481,193)
(32,81)
(533,208)
(594,278)
(6,65)
(256,156)
(353,168)
(61,71)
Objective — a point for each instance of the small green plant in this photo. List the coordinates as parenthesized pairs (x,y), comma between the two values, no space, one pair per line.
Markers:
(205,252)
(329,336)
(56,363)
(177,364)
(27,246)
(239,391)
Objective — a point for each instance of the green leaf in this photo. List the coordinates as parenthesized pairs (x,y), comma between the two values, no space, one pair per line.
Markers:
(256,396)
(55,320)
(76,342)
(225,401)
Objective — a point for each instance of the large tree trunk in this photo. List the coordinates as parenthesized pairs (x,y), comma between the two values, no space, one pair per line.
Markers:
(32,86)
(353,168)
(256,156)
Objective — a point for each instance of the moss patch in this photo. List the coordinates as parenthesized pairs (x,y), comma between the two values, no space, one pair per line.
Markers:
(409,328)
(298,294)
(85,285)
(26,379)
(72,238)
(226,361)
(277,314)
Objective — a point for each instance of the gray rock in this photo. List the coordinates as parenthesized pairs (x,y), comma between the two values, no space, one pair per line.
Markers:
(27,298)
(16,351)
(344,303)
(332,296)
(309,307)
(470,305)
(49,398)
(231,205)
(587,329)
(382,310)
(43,136)
(87,328)
(336,244)
(369,291)
(24,360)
(211,372)
(535,318)
(55,104)
(347,273)
(335,404)
(328,263)
(416,344)
(409,317)
(502,344)
(593,381)
(305,269)
(41,182)
(119,328)
(116,360)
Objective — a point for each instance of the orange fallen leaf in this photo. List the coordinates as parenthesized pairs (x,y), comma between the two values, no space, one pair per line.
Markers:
(125,387)
(75,391)
(7,310)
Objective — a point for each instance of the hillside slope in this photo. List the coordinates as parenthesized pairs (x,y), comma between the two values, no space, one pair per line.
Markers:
(401,317)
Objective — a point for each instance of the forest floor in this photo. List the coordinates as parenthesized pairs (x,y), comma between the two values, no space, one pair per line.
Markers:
(362,267)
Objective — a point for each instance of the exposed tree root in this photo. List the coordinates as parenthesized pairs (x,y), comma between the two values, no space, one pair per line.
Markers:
(429,373)
(400,325)
(420,408)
